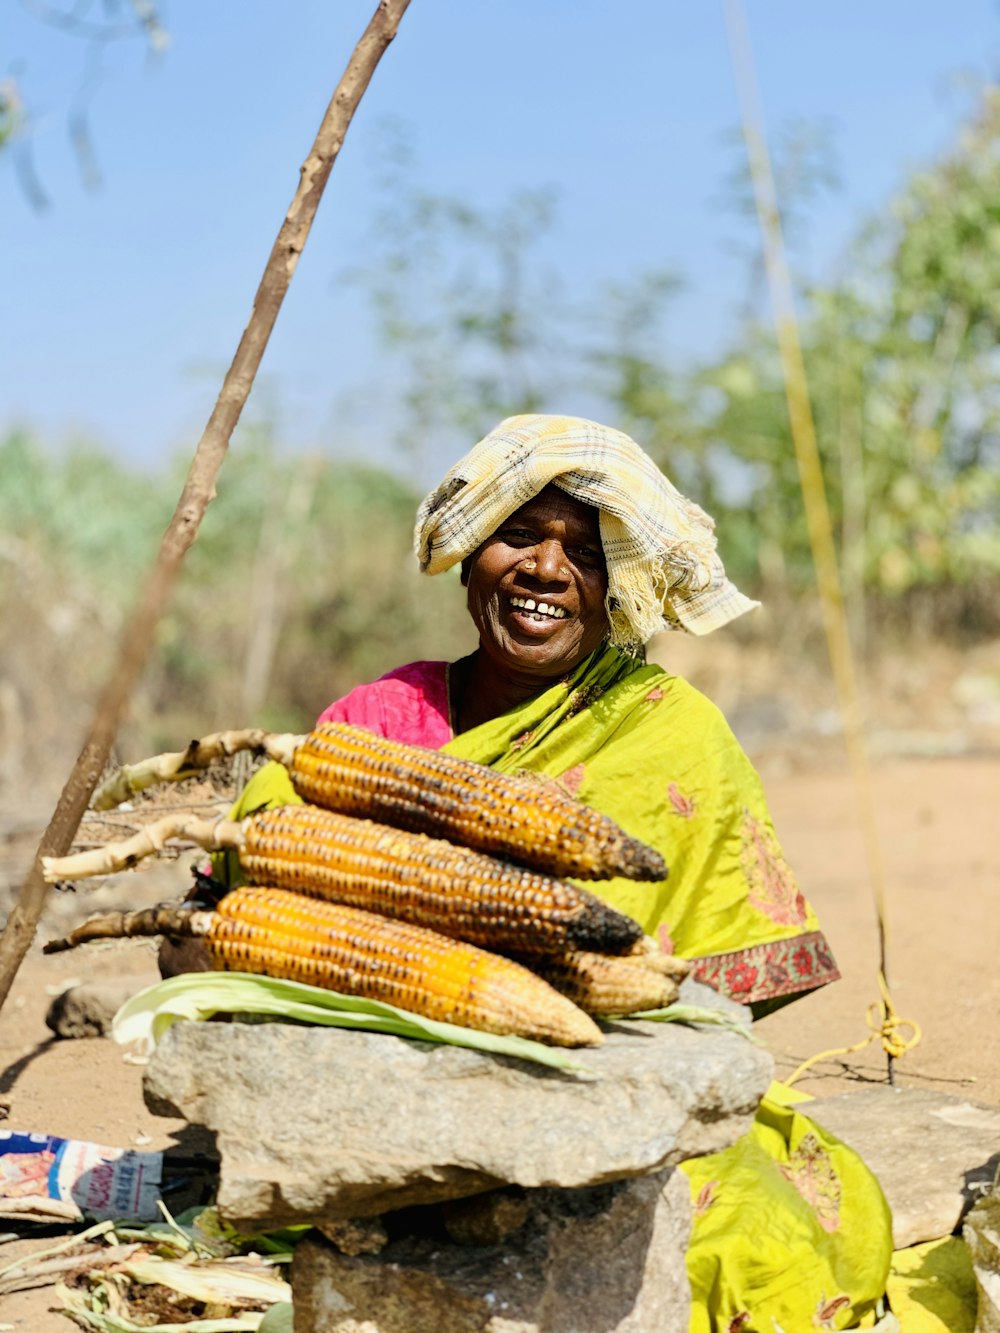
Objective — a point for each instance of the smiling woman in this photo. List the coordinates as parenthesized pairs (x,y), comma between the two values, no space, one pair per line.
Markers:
(574,550)
(536,594)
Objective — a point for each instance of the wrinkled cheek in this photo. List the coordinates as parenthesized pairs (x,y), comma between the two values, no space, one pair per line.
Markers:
(486,615)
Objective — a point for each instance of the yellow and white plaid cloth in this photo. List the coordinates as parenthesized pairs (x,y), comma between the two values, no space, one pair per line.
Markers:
(663,568)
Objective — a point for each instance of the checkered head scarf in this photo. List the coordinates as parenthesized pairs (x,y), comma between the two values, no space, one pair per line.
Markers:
(663,568)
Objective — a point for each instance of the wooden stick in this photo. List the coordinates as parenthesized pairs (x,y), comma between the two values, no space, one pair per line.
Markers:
(199,488)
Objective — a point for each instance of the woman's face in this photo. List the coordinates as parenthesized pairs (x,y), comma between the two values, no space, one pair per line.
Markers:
(536,588)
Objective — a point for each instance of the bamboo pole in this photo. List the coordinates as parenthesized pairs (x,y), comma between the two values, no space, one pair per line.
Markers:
(890,1027)
(199,487)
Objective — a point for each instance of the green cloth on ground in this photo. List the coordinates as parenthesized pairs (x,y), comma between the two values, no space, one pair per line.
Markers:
(791,1230)
(932,1287)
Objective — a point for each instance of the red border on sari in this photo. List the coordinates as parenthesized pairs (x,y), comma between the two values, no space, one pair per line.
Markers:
(769,971)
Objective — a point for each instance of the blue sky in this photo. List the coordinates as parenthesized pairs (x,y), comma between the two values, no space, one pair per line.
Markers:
(124,304)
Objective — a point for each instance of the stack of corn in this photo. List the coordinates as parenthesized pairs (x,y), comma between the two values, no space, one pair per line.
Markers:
(439,925)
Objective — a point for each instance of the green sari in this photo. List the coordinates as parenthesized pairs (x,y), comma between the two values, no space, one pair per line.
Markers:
(790,1231)
(652,752)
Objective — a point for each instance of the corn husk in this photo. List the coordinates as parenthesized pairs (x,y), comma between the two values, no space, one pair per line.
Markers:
(215,1282)
(198,995)
(695,1015)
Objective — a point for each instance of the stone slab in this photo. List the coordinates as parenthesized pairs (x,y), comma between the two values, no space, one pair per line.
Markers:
(603,1260)
(932,1153)
(320,1124)
(982,1235)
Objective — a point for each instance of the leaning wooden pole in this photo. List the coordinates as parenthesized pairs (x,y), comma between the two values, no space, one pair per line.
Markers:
(199,487)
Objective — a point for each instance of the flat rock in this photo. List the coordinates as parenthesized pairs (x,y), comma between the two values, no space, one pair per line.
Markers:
(87,1010)
(608,1259)
(982,1236)
(320,1124)
(931,1153)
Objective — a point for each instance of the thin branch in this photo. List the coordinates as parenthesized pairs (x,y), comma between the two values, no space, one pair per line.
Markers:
(199,488)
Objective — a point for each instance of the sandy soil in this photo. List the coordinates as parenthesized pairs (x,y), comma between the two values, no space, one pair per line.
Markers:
(936,818)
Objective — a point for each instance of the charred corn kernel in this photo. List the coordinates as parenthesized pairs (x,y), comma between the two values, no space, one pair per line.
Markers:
(604,985)
(275,933)
(428,882)
(350,770)
(270,930)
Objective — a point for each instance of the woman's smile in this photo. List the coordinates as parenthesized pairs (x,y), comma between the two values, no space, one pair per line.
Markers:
(537,587)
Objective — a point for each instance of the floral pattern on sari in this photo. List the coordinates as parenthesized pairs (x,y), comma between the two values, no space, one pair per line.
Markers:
(810,1170)
(571,780)
(827,1310)
(768,971)
(707,1195)
(771,885)
(682,805)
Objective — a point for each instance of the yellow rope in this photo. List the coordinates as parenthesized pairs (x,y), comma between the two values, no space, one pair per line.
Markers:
(817,517)
(883,1022)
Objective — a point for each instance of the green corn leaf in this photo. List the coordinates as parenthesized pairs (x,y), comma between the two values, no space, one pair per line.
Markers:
(199,995)
(695,1013)
(279,1319)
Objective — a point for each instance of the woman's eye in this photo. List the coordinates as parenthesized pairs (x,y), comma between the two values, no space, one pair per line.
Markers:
(590,555)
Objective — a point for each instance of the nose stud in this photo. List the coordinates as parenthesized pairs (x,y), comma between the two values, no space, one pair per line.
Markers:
(530,564)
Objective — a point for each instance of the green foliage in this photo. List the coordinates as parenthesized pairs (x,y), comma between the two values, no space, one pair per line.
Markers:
(901,363)
(302,582)
(9,114)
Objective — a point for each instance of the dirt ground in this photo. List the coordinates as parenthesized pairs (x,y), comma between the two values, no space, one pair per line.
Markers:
(936,814)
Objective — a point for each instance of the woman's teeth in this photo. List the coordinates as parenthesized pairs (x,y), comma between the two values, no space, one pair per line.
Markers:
(540,608)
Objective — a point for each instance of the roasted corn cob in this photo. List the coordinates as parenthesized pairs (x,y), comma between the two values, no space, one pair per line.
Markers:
(606,986)
(428,882)
(409,876)
(347,769)
(281,934)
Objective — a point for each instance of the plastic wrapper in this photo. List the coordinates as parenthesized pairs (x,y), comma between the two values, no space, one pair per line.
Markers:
(42,1174)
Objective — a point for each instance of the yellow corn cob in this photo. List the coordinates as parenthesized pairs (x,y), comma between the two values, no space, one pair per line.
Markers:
(604,985)
(350,770)
(429,882)
(648,953)
(276,933)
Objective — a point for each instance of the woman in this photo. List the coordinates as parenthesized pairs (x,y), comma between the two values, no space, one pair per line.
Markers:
(574,550)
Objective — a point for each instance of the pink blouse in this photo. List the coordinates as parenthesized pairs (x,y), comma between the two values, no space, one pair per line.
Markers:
(408,704)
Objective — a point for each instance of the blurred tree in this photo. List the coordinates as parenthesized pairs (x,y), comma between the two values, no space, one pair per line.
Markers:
(96,24)
(902,370)
(469,321)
